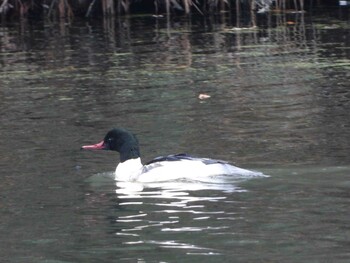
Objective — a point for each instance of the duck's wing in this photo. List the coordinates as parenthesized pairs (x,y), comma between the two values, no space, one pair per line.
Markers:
(184,156)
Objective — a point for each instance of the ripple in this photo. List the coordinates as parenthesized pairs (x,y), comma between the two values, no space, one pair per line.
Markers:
(133,216)
(192,229)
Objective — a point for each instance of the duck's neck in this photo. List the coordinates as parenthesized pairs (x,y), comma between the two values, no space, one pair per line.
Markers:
(129,170)
(128,151)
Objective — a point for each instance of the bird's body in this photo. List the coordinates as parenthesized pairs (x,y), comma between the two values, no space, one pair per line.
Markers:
(171,167)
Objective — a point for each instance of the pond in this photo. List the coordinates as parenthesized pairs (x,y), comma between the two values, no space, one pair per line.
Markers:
(276,100)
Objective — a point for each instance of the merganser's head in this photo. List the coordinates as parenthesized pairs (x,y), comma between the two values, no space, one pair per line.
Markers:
(119,140)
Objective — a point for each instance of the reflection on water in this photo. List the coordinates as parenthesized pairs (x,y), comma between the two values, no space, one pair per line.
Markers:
(279,104)
(175,207)
(129,188)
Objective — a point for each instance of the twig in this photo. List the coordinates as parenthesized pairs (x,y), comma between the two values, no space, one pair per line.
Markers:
(51,7)
(4,6)
(90,8)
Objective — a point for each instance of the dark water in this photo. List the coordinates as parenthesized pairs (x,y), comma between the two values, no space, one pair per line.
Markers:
(279,104)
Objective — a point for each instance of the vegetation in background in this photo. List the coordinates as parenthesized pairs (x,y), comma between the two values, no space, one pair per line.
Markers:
(88,8)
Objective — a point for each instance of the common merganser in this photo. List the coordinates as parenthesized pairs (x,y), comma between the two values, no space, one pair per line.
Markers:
(162,168)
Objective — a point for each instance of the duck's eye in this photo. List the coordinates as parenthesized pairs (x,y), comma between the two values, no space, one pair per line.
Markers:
(109,143)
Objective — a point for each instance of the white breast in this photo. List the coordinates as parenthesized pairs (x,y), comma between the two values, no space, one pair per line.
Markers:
(129,170)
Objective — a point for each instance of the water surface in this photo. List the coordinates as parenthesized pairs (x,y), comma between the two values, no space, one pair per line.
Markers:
(279,104)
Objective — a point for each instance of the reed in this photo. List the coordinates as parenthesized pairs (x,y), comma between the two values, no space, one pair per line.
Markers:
(105,8)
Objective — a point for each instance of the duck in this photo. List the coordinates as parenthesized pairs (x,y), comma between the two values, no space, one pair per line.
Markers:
(162,168)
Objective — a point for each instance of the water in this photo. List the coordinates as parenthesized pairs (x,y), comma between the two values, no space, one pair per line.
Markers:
(279,104)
